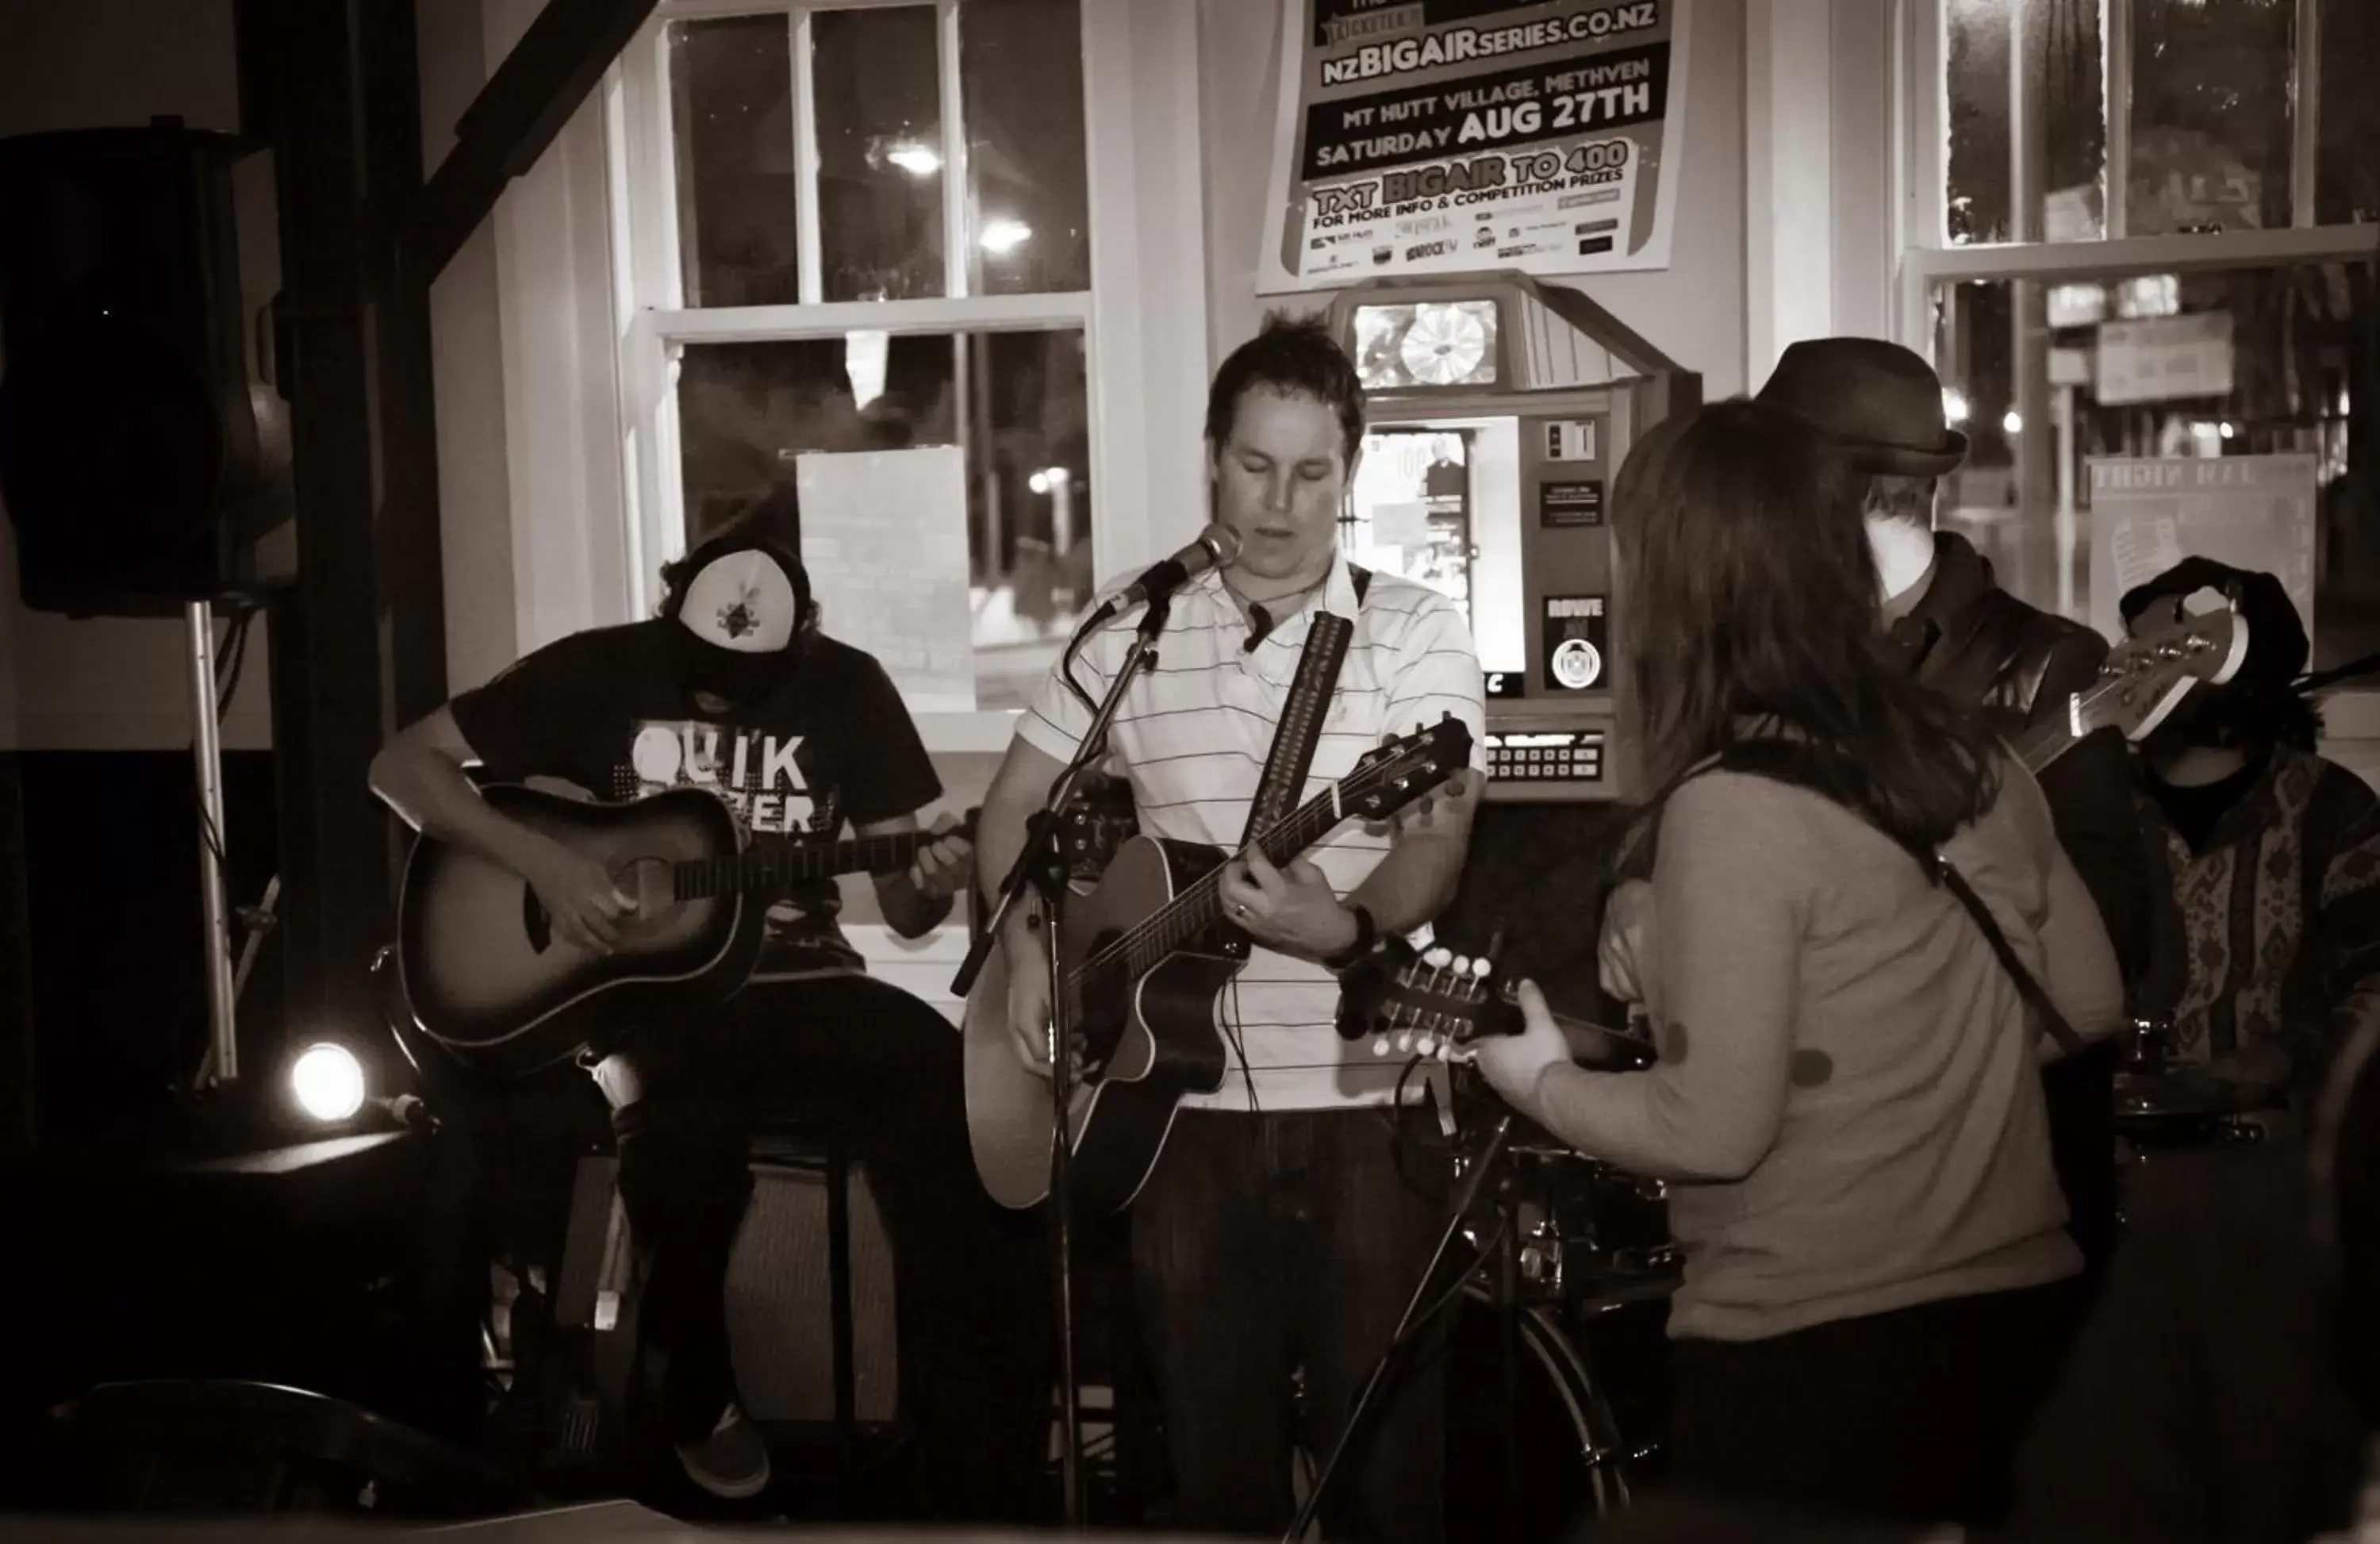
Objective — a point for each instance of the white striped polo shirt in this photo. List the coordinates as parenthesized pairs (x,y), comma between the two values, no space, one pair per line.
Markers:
(1193,735)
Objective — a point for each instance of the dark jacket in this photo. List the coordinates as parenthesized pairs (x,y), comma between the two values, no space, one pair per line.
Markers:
(1980,645)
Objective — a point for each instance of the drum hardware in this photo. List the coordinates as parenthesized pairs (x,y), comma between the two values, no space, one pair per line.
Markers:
(1557,1241)
(2165,1106)
(2163,1101)
(1540,1260)
(1568,1447)
(1587,1232)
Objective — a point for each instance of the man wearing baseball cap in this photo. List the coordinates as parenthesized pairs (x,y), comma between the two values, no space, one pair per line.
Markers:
(1879,407)
(733,689)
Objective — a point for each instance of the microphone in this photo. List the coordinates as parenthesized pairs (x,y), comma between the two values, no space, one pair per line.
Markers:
(1216,547)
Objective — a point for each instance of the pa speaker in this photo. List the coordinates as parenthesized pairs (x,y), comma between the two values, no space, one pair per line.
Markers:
(143,462)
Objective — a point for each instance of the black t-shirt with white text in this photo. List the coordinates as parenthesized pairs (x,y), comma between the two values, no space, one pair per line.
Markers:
(601,710)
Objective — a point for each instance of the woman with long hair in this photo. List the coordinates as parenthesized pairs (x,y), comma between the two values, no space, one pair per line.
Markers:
(1847,1098)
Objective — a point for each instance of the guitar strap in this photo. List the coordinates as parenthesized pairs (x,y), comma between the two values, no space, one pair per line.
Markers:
(1300,729)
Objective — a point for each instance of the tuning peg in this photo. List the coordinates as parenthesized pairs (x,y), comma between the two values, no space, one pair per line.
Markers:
(1437,956)
(1480,967)
(1428,1045)
(1379,1045)
(1462,964)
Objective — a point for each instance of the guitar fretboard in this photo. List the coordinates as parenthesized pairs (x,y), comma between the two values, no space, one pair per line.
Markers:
(1197,908)
(2084,712)
(783,863)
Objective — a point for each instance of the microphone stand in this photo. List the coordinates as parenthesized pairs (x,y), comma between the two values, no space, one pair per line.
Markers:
(1428,1293)
(1041,867)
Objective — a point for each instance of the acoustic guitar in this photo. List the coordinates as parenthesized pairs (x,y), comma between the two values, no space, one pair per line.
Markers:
(487,978)
(1146,954)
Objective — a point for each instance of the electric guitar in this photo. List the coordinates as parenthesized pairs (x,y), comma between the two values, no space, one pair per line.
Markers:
(2143,681)
(1144,957)
(487,977)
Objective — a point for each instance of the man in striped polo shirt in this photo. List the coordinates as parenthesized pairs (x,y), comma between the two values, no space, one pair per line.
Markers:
(1287,1220)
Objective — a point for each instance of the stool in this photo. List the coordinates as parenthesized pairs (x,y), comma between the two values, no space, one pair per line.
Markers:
(809,1288)
(810,1311)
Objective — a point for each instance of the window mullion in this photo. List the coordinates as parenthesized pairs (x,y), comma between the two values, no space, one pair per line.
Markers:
(2305,121)
(2116,91)
(958,240)
(1926,136)
(806,161)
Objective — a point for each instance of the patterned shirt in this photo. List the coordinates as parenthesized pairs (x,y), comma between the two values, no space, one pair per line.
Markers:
(1192,738)
(2270,935)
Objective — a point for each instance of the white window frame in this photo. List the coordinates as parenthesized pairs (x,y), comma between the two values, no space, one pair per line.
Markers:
(1142,319)
(1926,258)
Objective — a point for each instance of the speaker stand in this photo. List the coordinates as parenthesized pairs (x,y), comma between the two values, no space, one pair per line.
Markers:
(222,1065)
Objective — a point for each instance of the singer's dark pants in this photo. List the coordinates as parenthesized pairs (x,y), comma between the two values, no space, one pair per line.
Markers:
(1265,1243)
(974,1316)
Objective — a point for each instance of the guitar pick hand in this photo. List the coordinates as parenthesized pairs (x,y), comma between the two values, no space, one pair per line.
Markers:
(583,899)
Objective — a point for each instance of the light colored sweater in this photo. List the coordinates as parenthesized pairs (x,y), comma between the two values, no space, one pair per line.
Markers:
(1849,1095)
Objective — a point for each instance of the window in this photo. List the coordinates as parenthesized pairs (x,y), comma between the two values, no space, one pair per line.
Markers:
(866,226)
(2148,228)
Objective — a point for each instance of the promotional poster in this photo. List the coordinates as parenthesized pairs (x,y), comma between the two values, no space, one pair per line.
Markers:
(2253,512)
(1419,137)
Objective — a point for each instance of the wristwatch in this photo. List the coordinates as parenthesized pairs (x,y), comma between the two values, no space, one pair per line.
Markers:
(1367,938)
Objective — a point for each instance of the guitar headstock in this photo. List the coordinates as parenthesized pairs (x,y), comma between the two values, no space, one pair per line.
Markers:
(1386,780)
(2146,677)
(1422,1004)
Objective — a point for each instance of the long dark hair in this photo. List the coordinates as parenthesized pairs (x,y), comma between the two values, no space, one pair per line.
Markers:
(1755,598)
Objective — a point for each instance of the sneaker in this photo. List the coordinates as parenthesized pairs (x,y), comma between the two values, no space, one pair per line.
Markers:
(732,1463)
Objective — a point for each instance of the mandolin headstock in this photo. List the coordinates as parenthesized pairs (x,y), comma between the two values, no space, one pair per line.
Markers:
(1437,1004)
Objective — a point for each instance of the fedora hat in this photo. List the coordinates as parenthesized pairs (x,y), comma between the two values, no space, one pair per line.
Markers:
(1878,403)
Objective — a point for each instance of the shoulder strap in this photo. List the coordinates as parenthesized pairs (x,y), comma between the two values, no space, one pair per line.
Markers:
(1947,873)
(1784,761)
(1300,729)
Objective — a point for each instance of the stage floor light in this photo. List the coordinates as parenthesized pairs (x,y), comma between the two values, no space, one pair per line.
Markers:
(327,1082)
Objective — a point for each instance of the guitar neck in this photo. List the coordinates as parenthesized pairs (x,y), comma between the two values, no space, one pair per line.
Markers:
(773,863)
(1199,907)
(2043,744)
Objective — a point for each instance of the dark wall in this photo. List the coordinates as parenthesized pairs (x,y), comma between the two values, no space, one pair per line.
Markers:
(107,950)
(16,972)
(1535,874)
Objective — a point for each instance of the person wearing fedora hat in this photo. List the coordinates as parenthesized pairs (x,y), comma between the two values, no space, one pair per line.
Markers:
(1878,408)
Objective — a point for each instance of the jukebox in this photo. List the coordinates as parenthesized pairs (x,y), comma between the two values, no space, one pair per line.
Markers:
(1500,411)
